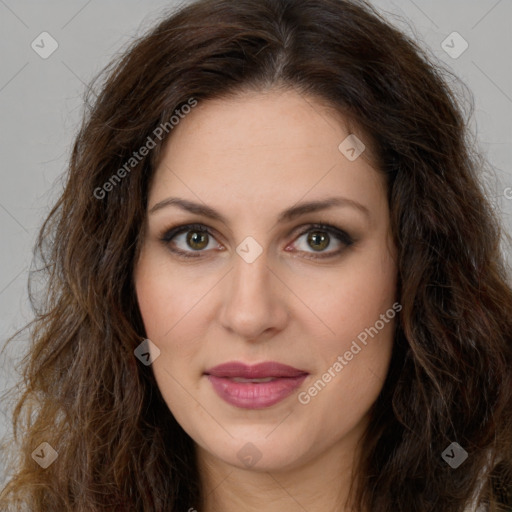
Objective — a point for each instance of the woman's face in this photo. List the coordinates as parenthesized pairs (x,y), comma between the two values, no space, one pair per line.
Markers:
(265,286)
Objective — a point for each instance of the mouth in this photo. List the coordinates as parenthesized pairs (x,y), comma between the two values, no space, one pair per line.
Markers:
(257,386)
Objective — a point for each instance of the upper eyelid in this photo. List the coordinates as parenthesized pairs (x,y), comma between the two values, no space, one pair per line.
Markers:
(180,228)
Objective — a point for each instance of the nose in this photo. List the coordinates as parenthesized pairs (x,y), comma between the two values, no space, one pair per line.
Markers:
(254,303)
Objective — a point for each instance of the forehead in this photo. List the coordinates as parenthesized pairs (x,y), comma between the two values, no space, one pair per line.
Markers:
(254,144)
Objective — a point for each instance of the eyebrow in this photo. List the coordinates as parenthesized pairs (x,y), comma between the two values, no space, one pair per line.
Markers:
(285,216)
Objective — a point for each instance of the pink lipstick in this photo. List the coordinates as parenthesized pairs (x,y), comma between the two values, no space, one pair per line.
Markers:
(257,386)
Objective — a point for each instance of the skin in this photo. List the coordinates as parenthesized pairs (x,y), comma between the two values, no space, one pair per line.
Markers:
(250,157)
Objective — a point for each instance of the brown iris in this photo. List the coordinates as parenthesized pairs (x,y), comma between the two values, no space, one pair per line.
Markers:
(319,239)
(197,237)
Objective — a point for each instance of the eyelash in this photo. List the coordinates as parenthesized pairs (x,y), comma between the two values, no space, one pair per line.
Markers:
(169,234)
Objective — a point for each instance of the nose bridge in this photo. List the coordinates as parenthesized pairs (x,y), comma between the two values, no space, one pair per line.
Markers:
(251,305)
(250,276)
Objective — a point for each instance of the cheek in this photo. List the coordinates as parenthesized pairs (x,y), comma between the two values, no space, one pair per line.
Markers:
(351,297)
(175,310)
(165,296)
(358,324)
(351,371)
(167,321)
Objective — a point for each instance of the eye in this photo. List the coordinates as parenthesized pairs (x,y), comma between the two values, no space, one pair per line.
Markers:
(320,236)
(193,236)
(197,238)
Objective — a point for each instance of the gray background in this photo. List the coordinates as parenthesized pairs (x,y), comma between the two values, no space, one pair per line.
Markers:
(41,104)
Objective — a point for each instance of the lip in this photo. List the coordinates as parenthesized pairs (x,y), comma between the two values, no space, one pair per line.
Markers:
(234,369)
(254,395)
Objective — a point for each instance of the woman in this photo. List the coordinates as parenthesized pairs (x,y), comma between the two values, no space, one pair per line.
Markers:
(274,281)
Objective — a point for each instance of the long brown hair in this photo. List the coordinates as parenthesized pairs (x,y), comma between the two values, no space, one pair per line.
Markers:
(450,379)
